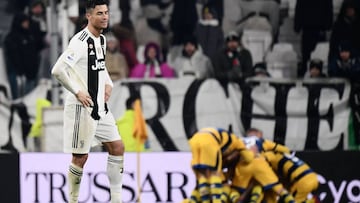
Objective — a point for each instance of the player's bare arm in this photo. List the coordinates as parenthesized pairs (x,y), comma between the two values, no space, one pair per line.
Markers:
(60,72)
(108,89)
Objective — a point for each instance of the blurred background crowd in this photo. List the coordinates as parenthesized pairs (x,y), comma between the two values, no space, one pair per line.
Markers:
(228,40)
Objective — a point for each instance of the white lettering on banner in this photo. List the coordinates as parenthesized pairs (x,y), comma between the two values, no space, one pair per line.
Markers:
(355,184)
(165,178)
(337,193)
(346,191)
(303,114)
(11,138)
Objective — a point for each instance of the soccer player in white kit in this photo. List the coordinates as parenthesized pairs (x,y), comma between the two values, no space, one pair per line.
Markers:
(81,70)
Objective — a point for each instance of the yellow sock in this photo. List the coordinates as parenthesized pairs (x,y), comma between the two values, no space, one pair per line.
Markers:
(310,201)
(204,190)
(215,189)
(195,196)
(256,194)
(186,201)
(234,196)
(225,196)
(286,197)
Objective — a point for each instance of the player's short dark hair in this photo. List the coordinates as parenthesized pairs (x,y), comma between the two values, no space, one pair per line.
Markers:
(90,4)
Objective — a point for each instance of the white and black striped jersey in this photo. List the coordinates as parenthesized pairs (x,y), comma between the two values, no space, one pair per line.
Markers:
(86,57)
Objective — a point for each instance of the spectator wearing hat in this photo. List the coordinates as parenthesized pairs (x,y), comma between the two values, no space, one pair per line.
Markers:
(346,64)
(153,66)
(234,61)
(260,70)
(192,61)
(316,69)
(209,32)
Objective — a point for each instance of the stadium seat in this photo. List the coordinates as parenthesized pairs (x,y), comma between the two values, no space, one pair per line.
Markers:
(284,4)
(174,52)
(144,33)
(232,14)
(292,5)
(4,83)
(258,43)
(287,34)
(270,8)
(140,53)
(282,61)
(321,51)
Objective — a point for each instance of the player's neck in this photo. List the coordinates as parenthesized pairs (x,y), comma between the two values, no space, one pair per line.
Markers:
(96,32)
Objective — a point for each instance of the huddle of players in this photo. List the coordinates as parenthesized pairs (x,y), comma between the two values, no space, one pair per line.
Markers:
(229,169)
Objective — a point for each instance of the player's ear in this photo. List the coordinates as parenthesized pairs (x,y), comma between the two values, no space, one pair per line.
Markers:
(88,14)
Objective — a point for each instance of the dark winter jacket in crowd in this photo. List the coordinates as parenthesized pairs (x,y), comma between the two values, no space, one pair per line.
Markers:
(183,20)
(349,69)
(345,28)
(210,37)
(232,65)
(314,14)
(21,49)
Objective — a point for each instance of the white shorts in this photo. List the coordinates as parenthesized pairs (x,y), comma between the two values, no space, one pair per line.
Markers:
(81,131)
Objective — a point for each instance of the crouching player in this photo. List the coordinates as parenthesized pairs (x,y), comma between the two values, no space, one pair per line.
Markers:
(295,173)
(257,171)
(265,145)
(208,147)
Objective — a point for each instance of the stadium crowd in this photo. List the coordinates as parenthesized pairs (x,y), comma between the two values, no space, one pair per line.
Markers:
(227,40)
(223,39)
(204,38)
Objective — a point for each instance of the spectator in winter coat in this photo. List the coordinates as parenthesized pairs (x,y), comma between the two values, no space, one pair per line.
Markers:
(192,61)
(22,55)
(312,19)
(37,14)
(316,69)
(183,20)
(346,64)
(233,62)
(153,65)
(346,27)
(209,32)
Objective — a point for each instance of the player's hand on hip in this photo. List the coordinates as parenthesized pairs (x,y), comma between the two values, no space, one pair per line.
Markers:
(108,90)
(84,98)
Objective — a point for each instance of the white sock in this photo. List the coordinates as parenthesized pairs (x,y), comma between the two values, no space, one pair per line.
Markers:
(115,169)
(74,179)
